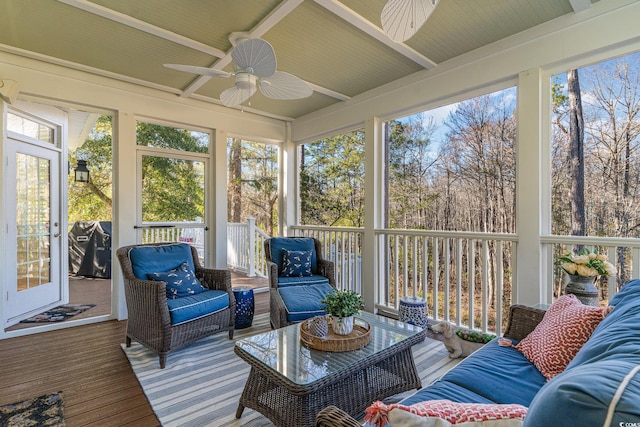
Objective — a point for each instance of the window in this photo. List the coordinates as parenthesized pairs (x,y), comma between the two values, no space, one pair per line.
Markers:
(31,128)
(453,168)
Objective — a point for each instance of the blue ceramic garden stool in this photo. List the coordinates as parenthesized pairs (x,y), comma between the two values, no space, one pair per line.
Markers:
(413,310)
(245,305)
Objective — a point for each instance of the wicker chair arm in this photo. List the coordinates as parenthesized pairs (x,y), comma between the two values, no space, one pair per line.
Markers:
(147,301)
(272,272)
(215,279)
(332,416)
(522,321)
(327,269)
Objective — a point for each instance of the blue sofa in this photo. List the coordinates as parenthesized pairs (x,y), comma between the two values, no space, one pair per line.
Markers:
(603,377)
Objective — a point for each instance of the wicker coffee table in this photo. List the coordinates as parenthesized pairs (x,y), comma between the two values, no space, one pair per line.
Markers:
(290,383)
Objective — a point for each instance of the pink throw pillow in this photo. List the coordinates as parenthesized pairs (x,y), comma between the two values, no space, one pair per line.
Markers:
(448,411)
(564,329)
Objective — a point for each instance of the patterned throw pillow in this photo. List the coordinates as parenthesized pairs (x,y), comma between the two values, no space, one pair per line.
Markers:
(564,329)
(296,263)
(444,413)
(181,281)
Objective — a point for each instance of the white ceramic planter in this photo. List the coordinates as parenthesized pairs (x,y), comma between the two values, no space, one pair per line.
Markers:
(342,325)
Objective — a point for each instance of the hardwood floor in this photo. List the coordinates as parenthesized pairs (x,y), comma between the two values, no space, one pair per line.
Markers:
(88,365)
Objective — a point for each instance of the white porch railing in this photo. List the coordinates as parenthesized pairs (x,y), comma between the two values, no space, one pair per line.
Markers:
(245,248)
(466,278)
(343,246)
(193,235)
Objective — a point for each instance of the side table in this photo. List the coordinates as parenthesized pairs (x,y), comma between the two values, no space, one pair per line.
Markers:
(413,310)
(245,305)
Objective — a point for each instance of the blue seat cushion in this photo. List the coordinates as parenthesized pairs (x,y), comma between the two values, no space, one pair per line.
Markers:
(193,307)
(151,259)
(296,263)
(582,396)
(445,390)
(293,244)
(303,301)
(314,279)
(181,281)
(499,374)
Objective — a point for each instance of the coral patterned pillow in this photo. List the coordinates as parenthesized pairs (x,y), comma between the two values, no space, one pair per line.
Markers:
(564,329)
(444,413)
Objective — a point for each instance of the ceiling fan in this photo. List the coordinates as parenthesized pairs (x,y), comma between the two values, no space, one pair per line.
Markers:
(401,19)
(254,67)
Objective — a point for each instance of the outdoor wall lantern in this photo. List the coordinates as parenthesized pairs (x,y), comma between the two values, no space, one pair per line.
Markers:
(81,172)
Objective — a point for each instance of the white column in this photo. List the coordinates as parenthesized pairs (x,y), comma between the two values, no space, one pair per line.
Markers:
(251,244)
(532,187)
(217,206)
(373,214)
(288,194)
(124,199)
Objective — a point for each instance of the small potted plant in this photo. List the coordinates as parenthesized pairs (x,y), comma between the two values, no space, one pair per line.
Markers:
(342,306)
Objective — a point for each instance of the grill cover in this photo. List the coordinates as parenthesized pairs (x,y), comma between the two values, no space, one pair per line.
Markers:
(90,249)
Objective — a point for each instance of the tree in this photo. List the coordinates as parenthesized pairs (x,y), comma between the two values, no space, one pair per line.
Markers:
(92,200)
(235,181)
(332,181)
(576,154)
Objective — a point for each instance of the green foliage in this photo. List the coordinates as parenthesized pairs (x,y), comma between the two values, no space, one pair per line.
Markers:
(92,201)
(474,336)
(343,303)
(172,189)
(332,181)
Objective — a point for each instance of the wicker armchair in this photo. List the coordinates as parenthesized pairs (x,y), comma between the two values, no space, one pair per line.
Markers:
(149,320)
(278,309)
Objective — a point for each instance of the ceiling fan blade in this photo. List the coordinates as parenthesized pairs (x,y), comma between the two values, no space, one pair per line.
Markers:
(284,86)
(401,19)
(255,56)
(211,72)
(233,96)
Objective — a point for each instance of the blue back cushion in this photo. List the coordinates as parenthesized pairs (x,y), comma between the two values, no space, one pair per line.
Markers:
(293,244)
(582,396)
(152,259)
(618,335)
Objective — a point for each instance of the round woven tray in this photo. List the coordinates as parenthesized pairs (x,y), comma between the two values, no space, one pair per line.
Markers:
(359,338)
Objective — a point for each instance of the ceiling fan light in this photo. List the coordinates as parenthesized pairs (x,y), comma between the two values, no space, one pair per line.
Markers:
(245,81)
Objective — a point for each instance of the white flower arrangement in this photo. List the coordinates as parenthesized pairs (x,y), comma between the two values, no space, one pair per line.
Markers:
(586,263)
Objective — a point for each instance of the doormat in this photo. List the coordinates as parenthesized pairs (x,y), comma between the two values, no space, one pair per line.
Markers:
(45,410)
(58,314)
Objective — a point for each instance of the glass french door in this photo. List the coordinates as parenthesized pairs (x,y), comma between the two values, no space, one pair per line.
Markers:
(33,228)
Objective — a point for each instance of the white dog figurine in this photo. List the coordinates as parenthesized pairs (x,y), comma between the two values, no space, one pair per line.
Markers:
(456,346)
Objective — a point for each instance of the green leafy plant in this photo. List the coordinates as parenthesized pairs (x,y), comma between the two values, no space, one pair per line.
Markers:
(474,336)
(343,303)
(586,263)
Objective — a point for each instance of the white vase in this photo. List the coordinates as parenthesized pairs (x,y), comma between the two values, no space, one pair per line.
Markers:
(342,325)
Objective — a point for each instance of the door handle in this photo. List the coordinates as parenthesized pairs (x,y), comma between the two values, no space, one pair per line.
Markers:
(56,234)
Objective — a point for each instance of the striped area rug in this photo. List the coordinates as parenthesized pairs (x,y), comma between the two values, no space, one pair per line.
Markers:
(202,383)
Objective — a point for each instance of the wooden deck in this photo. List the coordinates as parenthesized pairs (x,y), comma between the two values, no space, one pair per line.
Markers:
(88,365)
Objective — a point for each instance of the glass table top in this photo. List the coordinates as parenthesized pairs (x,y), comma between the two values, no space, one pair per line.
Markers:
(282,351)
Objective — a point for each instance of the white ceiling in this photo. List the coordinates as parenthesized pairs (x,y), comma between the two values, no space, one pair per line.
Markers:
(338,47)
